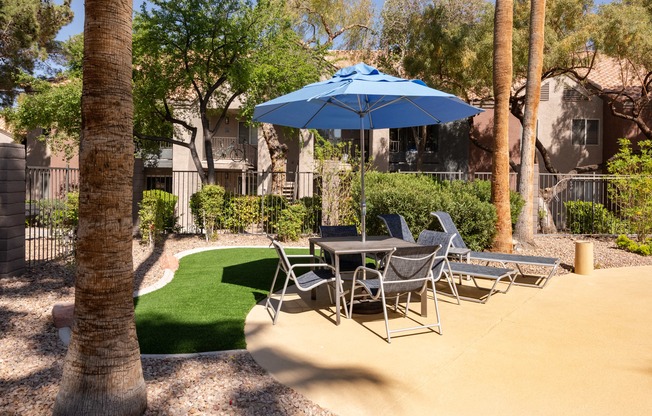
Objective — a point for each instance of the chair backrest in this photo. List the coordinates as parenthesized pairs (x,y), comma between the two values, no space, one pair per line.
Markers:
(284,261)
(448,226)
(338,230)
(430,238)
(408,269)
(348,262)
(397,227)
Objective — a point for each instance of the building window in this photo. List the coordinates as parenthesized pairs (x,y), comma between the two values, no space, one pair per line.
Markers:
(247,134)
(585,132)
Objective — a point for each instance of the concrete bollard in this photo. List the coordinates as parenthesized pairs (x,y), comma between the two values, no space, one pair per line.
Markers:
(583,257)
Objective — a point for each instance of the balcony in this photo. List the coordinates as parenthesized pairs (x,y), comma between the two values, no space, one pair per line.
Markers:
(229,154)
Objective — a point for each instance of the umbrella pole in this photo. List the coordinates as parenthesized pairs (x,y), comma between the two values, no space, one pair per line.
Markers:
(363,202)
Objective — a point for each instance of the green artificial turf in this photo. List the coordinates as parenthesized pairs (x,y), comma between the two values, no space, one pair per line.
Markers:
(205,306)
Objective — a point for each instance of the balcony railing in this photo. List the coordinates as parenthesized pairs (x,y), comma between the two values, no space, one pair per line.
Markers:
(228,149)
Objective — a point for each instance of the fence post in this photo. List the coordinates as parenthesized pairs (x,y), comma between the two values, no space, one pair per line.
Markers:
(12,209)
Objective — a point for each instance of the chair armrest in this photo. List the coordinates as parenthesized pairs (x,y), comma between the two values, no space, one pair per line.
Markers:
(366,269)
(311,266)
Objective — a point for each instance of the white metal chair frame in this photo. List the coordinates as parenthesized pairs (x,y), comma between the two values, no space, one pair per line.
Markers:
(380,283)
(304,282)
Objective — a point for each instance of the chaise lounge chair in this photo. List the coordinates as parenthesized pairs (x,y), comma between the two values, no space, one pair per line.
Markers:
(397,227)
(504,259)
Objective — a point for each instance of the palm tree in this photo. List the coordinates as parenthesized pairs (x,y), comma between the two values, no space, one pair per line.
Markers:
(525,225)
(502,74)
(102,373)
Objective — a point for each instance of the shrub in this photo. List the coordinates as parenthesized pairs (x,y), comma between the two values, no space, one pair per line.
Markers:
(59,214)
(156,214)
(272,205)
(482,189)
(644,249)
(584,217)
(312,219)
(416,196)
(631,190)
(240,212)
(206,207)
(288,227)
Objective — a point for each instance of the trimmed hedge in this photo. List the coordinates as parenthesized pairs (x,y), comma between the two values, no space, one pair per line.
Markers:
(416,196)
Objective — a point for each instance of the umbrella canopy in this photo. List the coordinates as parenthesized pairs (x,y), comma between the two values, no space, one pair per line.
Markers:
(362,97)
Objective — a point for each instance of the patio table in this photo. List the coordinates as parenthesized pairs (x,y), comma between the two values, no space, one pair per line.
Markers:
(354,245)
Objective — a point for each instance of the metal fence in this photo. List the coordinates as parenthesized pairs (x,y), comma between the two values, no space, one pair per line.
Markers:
(254,202)
(49,231)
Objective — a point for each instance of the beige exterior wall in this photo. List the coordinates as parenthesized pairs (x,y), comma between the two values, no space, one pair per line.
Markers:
(379,149)
(555,124)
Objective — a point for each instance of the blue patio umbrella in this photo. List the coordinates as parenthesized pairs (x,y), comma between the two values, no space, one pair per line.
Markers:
(362,97)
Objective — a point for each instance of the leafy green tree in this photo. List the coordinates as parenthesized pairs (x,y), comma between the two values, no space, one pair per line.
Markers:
(196,57)
(632,188)
(28,29)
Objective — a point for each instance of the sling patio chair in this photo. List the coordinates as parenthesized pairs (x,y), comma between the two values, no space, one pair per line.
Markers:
(397,226)
(319,274)
(441,264)
(503,259)
(348,262)
(406,270)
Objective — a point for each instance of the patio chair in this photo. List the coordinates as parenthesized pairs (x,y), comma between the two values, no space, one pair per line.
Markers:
(406,270)
(397,227)
(320,273)
(441,264)
(503,259)
(349,262)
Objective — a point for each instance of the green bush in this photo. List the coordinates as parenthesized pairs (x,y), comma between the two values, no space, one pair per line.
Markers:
(416,196)
(288,227)
(644,249)
(206,207)
(272,207)
(584,217)
(631,190)
(58,213)
(482,189)
(312,219)
(240,211)
(156,214)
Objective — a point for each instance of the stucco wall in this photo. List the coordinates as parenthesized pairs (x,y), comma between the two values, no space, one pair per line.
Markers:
(555,124)
(483,123)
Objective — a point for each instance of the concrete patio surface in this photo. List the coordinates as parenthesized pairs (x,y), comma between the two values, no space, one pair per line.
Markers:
(580,346)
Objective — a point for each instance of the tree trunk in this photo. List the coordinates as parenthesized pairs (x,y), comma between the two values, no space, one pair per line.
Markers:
(525,225)
(102,372)
(277,152)
(502,73)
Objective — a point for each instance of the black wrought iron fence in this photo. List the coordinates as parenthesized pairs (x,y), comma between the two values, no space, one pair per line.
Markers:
(50,213)
(255,202)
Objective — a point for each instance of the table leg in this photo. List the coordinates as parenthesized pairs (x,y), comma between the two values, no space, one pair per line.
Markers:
(313,292)
(338,293)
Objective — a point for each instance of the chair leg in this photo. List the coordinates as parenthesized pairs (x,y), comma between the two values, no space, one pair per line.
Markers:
(389,338)
(280,301)
(434,296)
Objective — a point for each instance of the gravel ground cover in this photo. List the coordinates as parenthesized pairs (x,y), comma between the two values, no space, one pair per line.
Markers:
(31,353)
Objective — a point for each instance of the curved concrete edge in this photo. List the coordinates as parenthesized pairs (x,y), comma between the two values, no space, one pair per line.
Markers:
(168,274)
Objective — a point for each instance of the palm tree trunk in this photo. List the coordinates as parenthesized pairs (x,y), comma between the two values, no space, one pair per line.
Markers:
(102,373)
(525,225)
(502,73)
